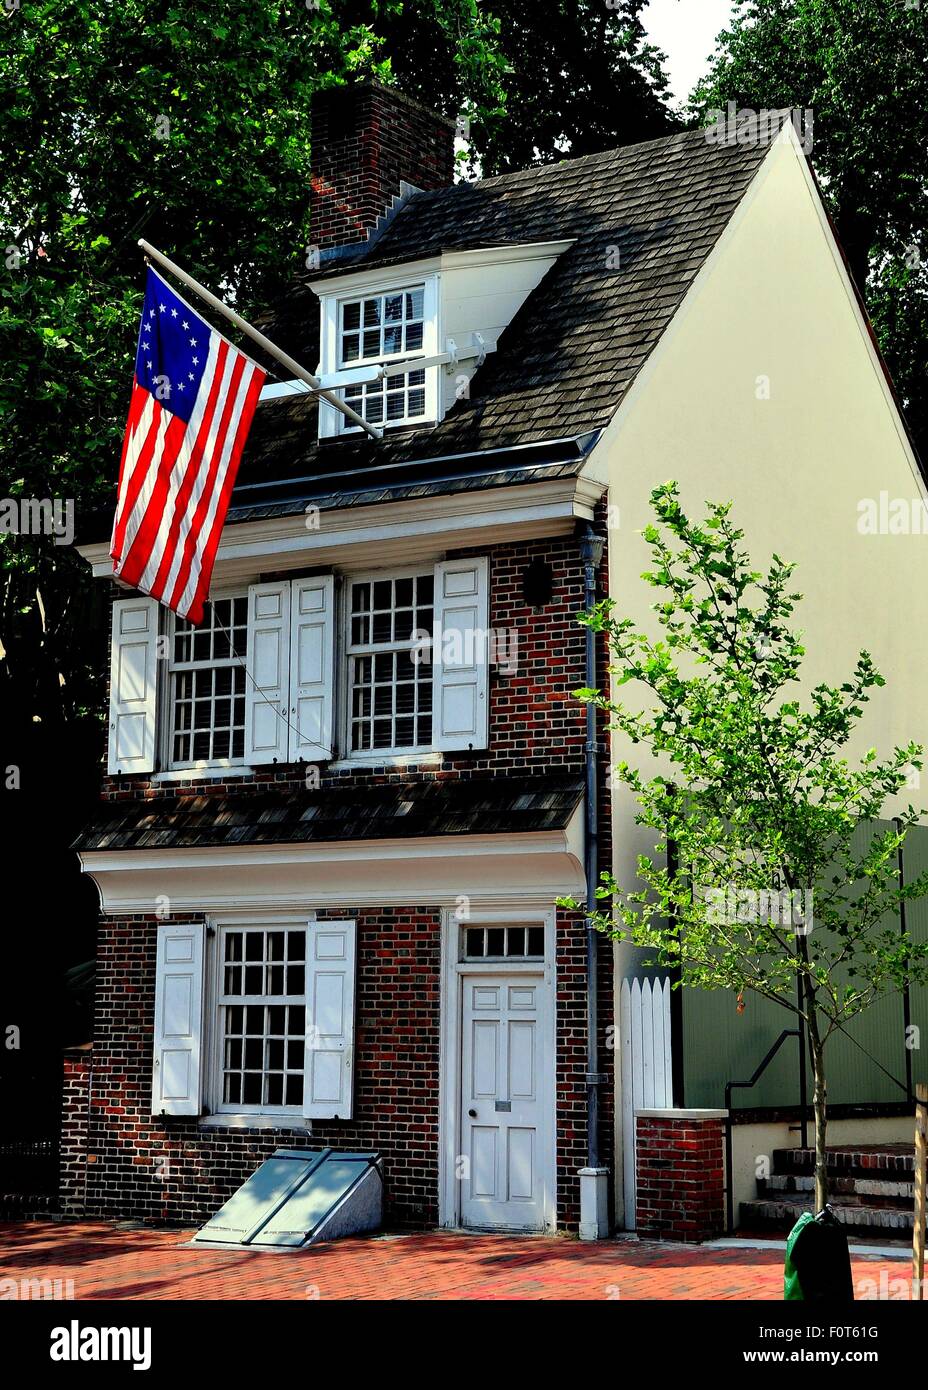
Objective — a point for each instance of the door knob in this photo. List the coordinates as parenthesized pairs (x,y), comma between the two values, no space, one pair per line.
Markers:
(472,1114)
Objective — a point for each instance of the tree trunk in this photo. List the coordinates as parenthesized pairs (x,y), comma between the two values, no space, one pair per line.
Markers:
(821,1122)
(817,1054)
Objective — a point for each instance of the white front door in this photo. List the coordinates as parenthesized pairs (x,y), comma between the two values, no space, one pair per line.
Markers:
(504,1120)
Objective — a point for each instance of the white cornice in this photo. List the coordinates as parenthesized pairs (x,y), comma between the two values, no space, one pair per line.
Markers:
(433,871)
(418,529)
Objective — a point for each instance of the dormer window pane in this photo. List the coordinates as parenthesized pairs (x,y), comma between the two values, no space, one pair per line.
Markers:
(384,328)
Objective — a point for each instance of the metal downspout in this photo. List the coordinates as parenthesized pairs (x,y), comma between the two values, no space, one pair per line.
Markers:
(589,546)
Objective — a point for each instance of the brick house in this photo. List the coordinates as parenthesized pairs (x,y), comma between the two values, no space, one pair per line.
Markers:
(328,867)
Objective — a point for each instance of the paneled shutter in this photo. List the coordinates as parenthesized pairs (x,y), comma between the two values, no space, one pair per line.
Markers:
(267,681)
(176,1066)
(312,667)
(459,660)
(133,685)
(330,971)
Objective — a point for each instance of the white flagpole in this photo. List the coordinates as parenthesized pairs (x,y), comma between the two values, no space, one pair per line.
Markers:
(293,367)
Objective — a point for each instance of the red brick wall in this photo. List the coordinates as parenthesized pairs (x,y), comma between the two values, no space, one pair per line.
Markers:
(572,1064)
(535,724)
(73,1149)
(680,1177)
(170,1170)
(365,140)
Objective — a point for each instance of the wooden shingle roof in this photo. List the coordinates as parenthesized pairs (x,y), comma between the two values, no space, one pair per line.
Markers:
(396,810)
(645,217)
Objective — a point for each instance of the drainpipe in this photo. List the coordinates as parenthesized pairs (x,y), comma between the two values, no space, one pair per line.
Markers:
(594,1180)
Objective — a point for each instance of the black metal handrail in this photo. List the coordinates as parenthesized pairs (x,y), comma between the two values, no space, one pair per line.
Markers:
(746,1085)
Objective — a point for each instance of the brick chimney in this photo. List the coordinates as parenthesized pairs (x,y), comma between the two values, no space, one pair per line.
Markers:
(366,139)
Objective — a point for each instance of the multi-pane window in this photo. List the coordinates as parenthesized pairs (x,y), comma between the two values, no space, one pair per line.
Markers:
(262,1003)
(504,943)
(208,685)
(384,328)
(389,670)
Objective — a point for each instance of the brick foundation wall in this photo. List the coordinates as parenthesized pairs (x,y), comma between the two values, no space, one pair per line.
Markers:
(75,1108)
(366,139)
(155,1169)
(680,1175)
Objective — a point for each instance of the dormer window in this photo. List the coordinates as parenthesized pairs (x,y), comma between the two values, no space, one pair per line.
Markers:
(385,328)
(368,338)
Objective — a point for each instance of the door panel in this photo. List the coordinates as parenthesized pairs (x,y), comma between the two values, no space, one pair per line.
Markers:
(503,1116)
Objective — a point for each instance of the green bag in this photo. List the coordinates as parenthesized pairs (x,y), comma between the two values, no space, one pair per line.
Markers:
(792,1289)
(818,1261)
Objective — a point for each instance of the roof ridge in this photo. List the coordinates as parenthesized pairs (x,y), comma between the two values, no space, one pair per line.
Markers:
(616,152)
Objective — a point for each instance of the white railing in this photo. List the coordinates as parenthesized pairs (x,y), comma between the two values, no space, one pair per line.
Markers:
(647,1077)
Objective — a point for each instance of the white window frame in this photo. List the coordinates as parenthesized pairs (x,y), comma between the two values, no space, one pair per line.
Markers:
(331,421)
(168,765)
(367,755)
(286,1116)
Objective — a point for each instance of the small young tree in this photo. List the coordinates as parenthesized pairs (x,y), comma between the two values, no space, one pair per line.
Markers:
(784,885)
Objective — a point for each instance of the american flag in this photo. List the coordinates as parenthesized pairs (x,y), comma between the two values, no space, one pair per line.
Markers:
(193,398)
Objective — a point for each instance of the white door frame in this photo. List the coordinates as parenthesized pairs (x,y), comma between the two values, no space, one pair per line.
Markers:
(450,1050)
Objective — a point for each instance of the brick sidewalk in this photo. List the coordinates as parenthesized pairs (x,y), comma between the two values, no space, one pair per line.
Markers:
(106,1262)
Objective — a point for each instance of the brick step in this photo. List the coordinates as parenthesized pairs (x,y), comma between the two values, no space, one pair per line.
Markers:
(892,1162)
(869,1191)
(780,1214)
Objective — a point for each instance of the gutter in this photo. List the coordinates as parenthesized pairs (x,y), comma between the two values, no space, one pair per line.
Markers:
(594,1196)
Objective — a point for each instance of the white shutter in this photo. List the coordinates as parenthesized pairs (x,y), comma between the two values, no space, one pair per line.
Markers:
(459,658)
(330,970)
(133,685)
(267,680)
(176,1064)
(312,667)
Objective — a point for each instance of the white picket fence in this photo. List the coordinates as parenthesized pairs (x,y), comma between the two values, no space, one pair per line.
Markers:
(647,1077)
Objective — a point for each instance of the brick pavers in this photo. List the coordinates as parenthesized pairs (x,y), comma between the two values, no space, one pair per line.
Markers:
(108,1262)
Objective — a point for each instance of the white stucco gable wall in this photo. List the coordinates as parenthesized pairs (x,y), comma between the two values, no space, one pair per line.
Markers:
(773,304)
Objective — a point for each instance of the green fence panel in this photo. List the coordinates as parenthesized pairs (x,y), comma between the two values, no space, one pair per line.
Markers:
(865,1066)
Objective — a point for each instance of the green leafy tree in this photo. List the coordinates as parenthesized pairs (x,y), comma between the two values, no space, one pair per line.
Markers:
(449,54)
(581,78)
(860,66)
(785,887)
(577,76)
